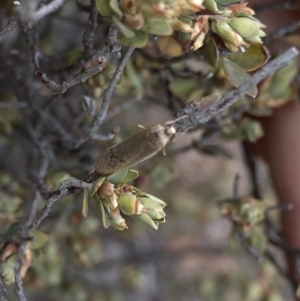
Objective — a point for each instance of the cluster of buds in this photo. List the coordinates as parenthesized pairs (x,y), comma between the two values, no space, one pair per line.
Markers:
(233,23)
(154,17)
(246,212)
(115,197)
(238,32)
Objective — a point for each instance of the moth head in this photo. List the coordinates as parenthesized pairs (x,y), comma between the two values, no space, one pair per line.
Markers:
(170,131)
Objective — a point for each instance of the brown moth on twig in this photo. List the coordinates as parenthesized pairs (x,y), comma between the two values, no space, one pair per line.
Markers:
(137,148)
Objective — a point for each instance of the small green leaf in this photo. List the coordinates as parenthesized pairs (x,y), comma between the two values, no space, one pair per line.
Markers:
(211,52)
(97,184)
(131,175)
(211,5)
(123,29)
(237,76)
(146,219)
(281,80)
(102,211)
(104,8)
(117,177)
(196,95)
(85,205)
(226,2)
(169,46)
(182,87)
(114,5)
(159,27)
(151,201)
(140,39)
(40,238)
(254,57)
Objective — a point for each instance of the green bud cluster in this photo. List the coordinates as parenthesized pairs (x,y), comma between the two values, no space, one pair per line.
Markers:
(115,198)
(175,23)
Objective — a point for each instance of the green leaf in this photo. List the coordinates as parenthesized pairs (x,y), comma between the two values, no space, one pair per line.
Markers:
(85,205)
(123,29)
(211,5)
(182,87)
(102,211)
(114,5)
(226,2)
(255,56)
(146,219)
(131,175)
(211,52)
(140,39)
(117,177)
(169,46)
(104,8)
(159,27)
(40,238)
(97,184)
(237,76)
(281,80)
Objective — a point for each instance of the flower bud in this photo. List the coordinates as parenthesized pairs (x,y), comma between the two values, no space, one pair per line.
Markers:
(118,221)
(130,205)
(146,219)
(106,192)
(232,40)
(248,28)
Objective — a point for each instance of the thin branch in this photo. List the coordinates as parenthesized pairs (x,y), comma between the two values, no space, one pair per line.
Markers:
(3,291)
(65,188)
(18,278)
(251,164)
(33,209)
(101,115)
(47,10)
(282,32)
(81,78)
(88,37)
(236,186)
(13,21)
(203,116)
(111,48)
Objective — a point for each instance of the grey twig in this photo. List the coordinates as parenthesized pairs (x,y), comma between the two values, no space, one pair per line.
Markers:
(47,10)
(88,37)
(203,116)
(81,78)
(3,291)
(101,115)
(18,278)
(33,209)
(282,32)
(13,21)
(111,48)
(65,188)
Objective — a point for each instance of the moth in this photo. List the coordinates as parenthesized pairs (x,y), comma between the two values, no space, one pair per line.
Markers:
(137,148)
